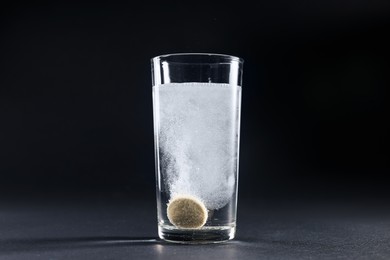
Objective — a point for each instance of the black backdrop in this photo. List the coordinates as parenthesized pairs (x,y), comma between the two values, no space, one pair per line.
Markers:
(76,106)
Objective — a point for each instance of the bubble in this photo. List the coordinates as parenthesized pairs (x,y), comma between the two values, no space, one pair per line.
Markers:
(198,140)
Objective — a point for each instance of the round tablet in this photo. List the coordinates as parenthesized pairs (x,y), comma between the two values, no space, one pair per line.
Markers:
(187,212)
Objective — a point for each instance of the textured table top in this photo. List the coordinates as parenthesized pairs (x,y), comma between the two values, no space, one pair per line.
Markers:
(126,229)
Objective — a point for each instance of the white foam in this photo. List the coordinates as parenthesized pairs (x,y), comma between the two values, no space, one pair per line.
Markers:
(198,129)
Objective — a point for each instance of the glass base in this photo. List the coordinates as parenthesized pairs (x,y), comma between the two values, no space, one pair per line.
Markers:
(205,235)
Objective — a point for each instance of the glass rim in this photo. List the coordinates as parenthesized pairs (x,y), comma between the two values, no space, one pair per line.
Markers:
(228,58)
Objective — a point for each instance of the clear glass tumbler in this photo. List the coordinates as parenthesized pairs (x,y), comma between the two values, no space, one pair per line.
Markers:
(196,111)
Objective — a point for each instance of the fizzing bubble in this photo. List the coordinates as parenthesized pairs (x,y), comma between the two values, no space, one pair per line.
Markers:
(197,140)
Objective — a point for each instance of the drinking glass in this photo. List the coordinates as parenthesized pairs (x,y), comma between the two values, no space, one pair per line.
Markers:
(196,114)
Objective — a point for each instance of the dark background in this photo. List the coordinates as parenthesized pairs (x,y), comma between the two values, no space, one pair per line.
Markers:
(76,104)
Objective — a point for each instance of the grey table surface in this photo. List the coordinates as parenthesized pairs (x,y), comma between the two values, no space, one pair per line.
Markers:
(126,229)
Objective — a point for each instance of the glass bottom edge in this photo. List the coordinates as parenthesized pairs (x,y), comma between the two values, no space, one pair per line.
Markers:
(206,235)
